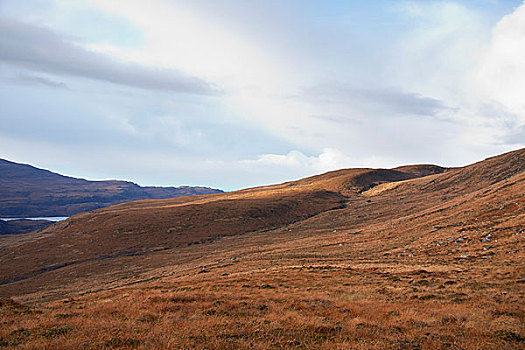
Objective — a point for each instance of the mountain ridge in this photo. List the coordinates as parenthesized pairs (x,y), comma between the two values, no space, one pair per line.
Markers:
(353,258)
(28,191)
(142,226)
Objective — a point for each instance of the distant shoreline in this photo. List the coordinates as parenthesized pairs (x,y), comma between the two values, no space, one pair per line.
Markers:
(48,218)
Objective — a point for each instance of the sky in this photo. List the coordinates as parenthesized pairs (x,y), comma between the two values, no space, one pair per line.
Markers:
(233,94)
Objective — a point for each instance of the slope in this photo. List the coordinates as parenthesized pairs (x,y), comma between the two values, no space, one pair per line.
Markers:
(407,262)
(141,227)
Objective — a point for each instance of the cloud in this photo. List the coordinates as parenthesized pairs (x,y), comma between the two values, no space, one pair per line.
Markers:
(40,49)
(515,137)
(259,75)
(383,101)
(29,79)
(443,42)
(341,84)
(329,159)
(500,74)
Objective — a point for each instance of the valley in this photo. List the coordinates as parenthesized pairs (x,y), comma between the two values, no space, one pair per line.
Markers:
(417,257)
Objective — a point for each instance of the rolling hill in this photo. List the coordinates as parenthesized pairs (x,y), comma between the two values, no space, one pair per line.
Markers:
(416,257)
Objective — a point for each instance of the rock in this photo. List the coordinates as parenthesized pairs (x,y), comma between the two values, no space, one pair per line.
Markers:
(464,256)
(487,238)
(234,258)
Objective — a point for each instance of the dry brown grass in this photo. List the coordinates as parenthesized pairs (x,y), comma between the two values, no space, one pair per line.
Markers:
(310,307)
(404,267)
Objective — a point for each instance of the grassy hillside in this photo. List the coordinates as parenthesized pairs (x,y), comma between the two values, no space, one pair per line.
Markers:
(416,257)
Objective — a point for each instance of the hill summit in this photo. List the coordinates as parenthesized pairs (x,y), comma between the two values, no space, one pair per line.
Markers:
(416,257)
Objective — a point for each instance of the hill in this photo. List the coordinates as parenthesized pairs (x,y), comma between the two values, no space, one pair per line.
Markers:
(9,227)
(416,257)
(26,191)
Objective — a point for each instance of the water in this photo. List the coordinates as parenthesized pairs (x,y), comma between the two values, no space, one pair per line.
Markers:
(50,218)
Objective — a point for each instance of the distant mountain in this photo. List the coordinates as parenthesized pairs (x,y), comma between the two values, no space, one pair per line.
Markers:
(416,208)
(26,191)
(420,255)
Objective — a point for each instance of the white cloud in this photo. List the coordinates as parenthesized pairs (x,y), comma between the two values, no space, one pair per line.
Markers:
(500,75)
(177,37)
(427,83)
(425,73)
(182,36)
(445,40)
(329,159)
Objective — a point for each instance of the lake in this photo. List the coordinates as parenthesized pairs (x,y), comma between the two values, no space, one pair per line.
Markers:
(50,218)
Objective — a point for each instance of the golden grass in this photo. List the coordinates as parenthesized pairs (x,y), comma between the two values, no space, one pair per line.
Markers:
(406,268)
(319,307)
